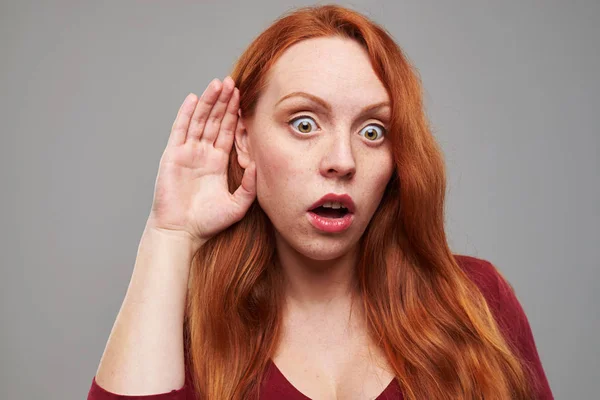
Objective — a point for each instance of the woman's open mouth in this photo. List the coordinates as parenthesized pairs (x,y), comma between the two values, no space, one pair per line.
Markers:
(332,213)
(329,212)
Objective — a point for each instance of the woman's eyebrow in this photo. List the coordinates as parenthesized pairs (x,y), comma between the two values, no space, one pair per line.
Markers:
(327,107)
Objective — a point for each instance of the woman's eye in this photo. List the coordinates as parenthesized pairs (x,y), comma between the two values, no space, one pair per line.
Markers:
(303,126)
(371,133)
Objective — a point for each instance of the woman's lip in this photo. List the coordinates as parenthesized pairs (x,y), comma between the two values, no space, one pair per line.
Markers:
(330,225)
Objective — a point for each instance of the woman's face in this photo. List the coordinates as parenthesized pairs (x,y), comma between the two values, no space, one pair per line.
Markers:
(304,150)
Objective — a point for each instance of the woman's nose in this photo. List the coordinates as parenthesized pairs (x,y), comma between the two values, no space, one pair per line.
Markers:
(338,159)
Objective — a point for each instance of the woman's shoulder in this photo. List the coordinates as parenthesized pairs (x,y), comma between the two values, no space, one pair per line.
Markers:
(499,294)
(497,290)
(507,310)
(483,273)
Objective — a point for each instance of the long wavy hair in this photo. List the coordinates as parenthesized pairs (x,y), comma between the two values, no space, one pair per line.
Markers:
(431,321)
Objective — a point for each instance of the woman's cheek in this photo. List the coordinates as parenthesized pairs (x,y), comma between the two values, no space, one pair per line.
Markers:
(274,178)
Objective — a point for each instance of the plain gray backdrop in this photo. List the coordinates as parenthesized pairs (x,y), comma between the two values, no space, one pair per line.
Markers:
(89,91)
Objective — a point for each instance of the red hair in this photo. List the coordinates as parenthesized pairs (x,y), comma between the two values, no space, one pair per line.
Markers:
(429,318)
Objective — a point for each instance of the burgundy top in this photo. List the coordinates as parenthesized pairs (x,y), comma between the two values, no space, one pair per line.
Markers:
(499,295)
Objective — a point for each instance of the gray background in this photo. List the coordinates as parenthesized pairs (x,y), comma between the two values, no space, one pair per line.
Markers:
(89,92)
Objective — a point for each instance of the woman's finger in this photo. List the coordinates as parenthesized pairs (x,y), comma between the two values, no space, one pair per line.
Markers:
(246,192)
(213,124)
(203,109)
(182,121)
(228,126)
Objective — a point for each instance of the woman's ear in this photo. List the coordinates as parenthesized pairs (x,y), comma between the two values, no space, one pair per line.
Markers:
(242,145)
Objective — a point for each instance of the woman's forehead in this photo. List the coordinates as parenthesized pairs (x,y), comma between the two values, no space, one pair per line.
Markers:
(347,82)
(324,65)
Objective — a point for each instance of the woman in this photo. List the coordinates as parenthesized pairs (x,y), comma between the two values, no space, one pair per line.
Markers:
(326,274)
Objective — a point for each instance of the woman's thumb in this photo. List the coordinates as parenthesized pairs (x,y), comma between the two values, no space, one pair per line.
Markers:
(245,194)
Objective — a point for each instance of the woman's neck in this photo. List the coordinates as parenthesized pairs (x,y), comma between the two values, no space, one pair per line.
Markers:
(317,285)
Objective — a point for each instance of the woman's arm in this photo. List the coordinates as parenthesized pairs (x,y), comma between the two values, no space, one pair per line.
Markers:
(514,322)
(144,353)
(191,204)
(511,317)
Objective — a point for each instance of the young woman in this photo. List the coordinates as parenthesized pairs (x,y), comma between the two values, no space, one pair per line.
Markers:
(296,247)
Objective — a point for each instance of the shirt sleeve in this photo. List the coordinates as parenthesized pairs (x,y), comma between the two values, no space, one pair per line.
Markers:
(97,392)
(514,323)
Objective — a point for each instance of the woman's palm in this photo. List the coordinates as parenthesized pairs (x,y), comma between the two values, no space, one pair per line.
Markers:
(191,192)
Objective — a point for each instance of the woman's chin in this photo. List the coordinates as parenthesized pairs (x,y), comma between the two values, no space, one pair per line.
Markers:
(319,249)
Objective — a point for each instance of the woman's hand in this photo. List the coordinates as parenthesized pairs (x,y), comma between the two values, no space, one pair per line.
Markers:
(191,195)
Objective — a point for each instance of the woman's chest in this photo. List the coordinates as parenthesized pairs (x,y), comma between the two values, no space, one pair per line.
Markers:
(332,365)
